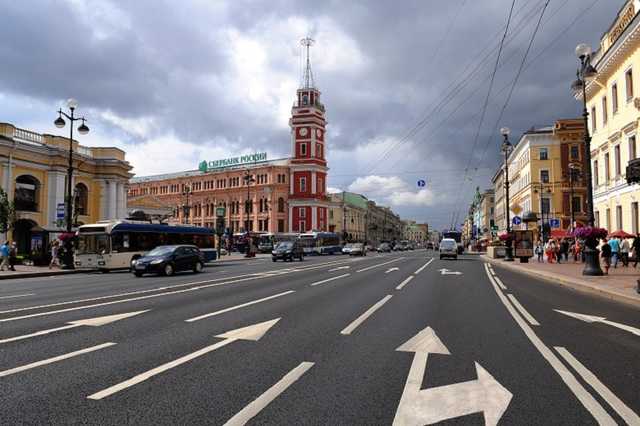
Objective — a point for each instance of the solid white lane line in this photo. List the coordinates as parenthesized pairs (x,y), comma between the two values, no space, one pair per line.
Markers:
(39,333)
(403,283)
(155,371)
(530,319)
(339,268)
(329,279)
(54,359)
(487,267)
(233,308)
(362,318)
(251,410)
(588,401)
(380,264)
(620,407)
(17,295)
(424,266)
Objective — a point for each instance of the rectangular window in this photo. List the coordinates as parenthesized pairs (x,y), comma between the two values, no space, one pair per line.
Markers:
(303,184)
(634,218)
(575,152)
(576,204)
(619,217)
(303,226)
(593,119)
(596,179)
(628,78)
(544,176)
(320,188)
(608,219)
(597,218)
(546,205)
(303,212)
(614,98)
(319,151)
(633,153)
(280,225)
(303,149)
(616,159)
(544,154)
(607,175)
(604,111)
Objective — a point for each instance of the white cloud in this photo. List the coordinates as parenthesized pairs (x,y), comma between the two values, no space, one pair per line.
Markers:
(391,190)
(139,127)
(423,197)
(332,190)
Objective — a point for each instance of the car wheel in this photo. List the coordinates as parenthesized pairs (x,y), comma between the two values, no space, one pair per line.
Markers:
(273,259)
(168,269)
(137,274)
(198,267)
(440,257)
(301,258)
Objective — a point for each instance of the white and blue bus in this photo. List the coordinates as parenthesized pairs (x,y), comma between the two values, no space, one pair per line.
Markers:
(115,244)
(321,243)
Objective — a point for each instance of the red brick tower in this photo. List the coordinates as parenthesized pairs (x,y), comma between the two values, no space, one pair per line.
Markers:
(308,205)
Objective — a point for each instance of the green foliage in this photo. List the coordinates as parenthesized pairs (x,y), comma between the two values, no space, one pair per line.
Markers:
(7,212)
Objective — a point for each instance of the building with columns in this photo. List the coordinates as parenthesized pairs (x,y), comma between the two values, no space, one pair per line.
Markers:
(33,173)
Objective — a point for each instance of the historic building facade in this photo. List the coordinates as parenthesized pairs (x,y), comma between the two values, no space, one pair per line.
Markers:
(33,173)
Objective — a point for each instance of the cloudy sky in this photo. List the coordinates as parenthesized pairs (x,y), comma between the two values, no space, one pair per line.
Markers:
(404,82)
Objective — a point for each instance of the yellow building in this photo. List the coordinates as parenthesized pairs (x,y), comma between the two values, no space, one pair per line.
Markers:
(614,112)
(33,173)
(540,176)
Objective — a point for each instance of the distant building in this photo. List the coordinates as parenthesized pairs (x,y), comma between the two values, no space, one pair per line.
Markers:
(415,232)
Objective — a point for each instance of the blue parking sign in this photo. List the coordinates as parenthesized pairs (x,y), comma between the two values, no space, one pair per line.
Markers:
(554,223)
(422,183)
(517,220)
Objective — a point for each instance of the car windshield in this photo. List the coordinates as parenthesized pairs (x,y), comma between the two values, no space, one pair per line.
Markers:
(447,244)
(161,251)
(284,245)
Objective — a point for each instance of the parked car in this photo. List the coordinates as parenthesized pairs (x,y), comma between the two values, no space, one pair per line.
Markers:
(288,250)
(384,248)
(448,248)
(167,260)
(358,250)
(347,248)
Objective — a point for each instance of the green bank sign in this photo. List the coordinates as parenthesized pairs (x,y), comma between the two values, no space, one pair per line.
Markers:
(232,161)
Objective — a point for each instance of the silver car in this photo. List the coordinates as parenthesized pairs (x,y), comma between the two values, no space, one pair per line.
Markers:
(448,248)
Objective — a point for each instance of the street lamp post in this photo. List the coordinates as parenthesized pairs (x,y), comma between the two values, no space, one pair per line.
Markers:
(574,171)
(248,180)
(186,208)
(506,150)
(72,104)
(584,73)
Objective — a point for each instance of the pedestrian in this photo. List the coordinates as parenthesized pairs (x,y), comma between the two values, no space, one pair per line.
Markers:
(4,253)
(577,254)
(55,248)
(539,252)
(636,249)
(615,251)
(13,254)
(565,249)
(605,253)
(550,251)
(625,247)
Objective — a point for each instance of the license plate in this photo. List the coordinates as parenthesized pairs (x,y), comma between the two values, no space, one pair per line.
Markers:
(140,267)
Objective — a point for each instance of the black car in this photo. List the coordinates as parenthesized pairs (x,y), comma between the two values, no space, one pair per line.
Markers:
(167,260)
(288,250)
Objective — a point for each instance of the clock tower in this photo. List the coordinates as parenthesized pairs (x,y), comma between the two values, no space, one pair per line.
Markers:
(308,204)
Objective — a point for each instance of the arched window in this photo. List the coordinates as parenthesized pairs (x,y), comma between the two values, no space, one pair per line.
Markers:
(280,205)
(27,193)
(81,199)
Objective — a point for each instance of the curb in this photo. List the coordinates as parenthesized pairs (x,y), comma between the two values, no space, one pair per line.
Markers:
(42,274)
(571,283)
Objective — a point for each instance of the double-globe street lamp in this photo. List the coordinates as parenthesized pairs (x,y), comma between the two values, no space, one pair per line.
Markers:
(248,205)
(72,104)
(506,150)
(585,73)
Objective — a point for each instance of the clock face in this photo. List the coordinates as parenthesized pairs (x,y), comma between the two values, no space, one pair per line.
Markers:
(319,133)
(303,131)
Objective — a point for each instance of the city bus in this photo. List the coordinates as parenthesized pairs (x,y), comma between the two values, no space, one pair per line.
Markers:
(115,244)
(455,235)
(321,243)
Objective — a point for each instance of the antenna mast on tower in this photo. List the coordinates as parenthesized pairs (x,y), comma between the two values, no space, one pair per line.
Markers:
(307,75)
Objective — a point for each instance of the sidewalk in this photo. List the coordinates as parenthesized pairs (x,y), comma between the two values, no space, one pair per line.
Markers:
(23,271)
(619,285)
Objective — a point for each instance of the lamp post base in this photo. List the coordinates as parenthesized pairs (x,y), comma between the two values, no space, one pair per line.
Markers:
(592,262)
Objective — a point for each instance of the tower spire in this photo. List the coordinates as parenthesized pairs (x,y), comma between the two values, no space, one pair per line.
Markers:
(307,75)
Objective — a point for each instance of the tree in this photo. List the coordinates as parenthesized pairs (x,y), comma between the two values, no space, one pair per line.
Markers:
(7,212)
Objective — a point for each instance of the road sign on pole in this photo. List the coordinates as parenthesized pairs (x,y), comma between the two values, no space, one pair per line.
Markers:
(517,220)
(554,223)
(422,183)
(60,209)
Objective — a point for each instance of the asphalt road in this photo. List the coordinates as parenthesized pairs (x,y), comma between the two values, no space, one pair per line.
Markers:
(396,338)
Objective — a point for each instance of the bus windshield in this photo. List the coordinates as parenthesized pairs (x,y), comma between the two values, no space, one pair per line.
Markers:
(93,244)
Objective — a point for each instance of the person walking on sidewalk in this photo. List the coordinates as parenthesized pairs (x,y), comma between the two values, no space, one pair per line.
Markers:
(13,253)
(615,251)
(55,261)
(635,246)
(4,253)
(605,253)
(624,252)
(564,249)
(539,252)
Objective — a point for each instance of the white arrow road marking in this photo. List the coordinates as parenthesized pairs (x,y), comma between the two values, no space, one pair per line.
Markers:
(603,320)
(329,280)
(243,305)
(339,268)
(445,271)
(423,266)
(362,318)
(92,322)
(403,283)
(530,319)
(380,264)
(54,359)
(252,332)
(391,270)
(17,295)
(588,401)
(419,407)
(251,410)
(620,407)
